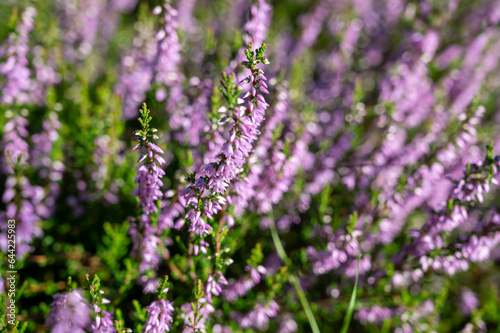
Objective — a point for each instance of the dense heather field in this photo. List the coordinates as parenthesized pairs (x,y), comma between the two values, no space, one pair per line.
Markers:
(249,166)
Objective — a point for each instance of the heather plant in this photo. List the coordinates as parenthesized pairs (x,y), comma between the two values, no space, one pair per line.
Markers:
(249,166)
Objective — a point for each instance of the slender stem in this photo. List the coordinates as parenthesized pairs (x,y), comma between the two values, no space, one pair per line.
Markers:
(292,278)
(192,269)
(219,230)
(352,302)
(218,240)
(277,241)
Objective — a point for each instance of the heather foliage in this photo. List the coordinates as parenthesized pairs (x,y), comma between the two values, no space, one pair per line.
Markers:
(250,166)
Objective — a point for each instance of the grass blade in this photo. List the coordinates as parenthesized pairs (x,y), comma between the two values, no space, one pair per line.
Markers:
(352,302)
(293,279)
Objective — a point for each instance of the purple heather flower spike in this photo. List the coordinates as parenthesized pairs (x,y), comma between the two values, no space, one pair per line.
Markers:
(311,24)
(160,316)
(30,207)
(260,20)
(168,58)
(148,174)
(255,31)
(70,313)
(231,160)
(85,23)
(267,187)
(18,86)
(146,239)
(27,213)
(137,71)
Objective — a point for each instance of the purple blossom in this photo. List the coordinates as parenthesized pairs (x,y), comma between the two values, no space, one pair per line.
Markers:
(476,64)
(323,174)
(257,26)
(287,324)
(466,137)
(149,183)
(237,289)
(221,329)
(187,20)
(193,120)
(103,323)
(46,74)
(70,313)
(478,249)
(160,316)
(351,37)
(255,30)
(170,214)
(244,129)
(136,73)
(43,142)
(124,5)
(258,317)
(213,285)
(415,316)
(468,302)
(49,170)
(168,58)
(267,184)
(105,151)
(149,249)
(18,85)
(149,284)
(145,236)
(26,213)
(457,255)
(81,23)
(149,174)
(471,187)
(379,120)
(311,24)
(423,183)
(14,142)
(407,97)
(338,250)
(256,272)
(376,314)
(146,245)
(153,59)
(24,202)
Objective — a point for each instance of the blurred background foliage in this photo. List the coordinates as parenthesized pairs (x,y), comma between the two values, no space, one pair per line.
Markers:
(88,232)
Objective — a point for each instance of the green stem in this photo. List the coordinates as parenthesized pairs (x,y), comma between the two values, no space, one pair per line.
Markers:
(292,278)
(352,302)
